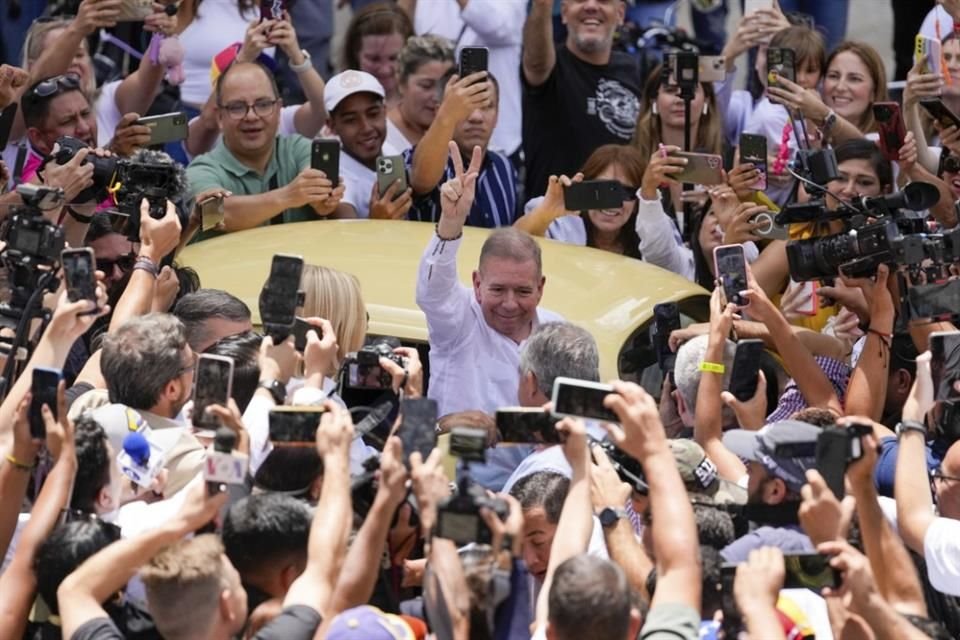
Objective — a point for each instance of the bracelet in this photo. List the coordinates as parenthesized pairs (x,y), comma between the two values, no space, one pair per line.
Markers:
(303,66)
(20,466)
(146,264)
(712,367)
(456,237)
(911,425)
(886,338)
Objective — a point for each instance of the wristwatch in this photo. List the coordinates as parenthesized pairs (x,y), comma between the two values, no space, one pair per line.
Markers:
(303,66)
(276,388)
(609,517)
(910,425)
(829,121)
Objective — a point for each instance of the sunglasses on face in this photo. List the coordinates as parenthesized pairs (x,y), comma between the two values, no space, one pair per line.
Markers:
(125,263)
(55,85)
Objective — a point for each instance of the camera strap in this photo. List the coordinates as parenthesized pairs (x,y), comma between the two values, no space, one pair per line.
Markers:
(275,180)
(18,164)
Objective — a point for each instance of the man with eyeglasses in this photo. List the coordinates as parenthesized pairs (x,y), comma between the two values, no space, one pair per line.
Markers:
(269,176)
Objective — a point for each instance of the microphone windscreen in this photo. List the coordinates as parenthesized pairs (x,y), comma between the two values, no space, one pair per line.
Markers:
(137,447)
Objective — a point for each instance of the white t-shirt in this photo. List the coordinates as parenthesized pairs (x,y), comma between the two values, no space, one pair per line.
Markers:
(108,114)
(359,180)
(396,139)
(941,550)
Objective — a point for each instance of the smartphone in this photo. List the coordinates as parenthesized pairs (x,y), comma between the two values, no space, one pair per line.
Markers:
(702,168)
(781,63)
(768,228)
(526,425)
(211,212)
(810,571)
(7,117)
(280,297)
(43,392)
(682,69)
(594,195)
(932,49)
(582,399)
(833,449)
(473,60)
(892,130)
(212,384)
(299,333)
(756,5)
(325,156)
(294,425)
(135,10)
(272,9)
(79,266)
(390,169)
(418,427)
(666,320)
(939,111)
(753,149)
(712,68)
(167,127)
(746,367)
(808,292)
(944,363)
(730,266)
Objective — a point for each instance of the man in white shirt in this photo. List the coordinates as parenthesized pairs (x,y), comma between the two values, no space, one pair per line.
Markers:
(358,116)
(497,25)
(475,339)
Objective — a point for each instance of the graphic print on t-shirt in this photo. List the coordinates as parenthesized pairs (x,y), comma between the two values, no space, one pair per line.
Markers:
(616,106)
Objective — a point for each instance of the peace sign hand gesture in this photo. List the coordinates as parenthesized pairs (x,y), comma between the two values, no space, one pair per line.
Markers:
(456,194)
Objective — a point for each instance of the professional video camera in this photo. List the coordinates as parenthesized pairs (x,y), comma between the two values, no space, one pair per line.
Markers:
(148,174)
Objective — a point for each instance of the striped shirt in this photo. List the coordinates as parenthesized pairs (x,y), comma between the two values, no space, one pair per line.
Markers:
(496,201)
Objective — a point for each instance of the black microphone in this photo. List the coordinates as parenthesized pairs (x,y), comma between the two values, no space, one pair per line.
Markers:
(916,196)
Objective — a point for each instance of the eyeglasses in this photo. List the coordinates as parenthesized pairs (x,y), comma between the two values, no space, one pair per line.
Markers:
(188,367)
(951,164)
(261,108)
(125,263)
(55,85)
(939,475)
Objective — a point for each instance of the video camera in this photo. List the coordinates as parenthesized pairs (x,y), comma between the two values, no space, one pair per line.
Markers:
(458,517)
(150,175)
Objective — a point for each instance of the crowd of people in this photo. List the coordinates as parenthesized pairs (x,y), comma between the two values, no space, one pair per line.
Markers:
(823,503)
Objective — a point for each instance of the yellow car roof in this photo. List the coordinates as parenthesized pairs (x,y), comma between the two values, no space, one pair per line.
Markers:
(609,295)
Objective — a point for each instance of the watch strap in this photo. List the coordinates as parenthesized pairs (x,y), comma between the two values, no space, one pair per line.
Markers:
(303,66)
(276,388)
(911,425)
(609,516)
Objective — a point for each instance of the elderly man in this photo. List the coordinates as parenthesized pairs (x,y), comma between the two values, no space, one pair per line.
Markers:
(475,339)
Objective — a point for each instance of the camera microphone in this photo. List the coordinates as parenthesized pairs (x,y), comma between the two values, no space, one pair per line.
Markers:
(916,196)
(140,460)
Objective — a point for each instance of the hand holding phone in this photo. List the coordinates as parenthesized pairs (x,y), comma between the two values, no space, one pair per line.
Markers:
(43,391)
(746,369)
(79,274)
(582,399)
(213,384)
(730,267)
(594,195)
(418,427)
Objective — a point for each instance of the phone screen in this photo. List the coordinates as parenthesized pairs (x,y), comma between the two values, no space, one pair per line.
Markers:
(945,363)
(582,399)
(731,270)
(212,385)
(78,270)
(278,299)
(666,321)
(746,366)
(272,9)
(810,571)
(753,149)
(294,425)
(43,392)
(418,427)
(524,425)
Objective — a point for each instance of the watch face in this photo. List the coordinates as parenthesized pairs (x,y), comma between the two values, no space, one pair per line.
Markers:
(608,517)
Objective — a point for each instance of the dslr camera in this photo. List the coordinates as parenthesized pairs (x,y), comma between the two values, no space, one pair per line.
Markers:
(362,370)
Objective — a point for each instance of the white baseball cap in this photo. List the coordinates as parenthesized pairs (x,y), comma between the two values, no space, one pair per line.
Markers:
(347,83)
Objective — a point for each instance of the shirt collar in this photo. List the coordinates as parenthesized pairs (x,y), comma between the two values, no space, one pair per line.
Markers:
(229,162)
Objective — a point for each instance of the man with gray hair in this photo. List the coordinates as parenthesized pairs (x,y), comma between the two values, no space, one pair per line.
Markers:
(686,376)
(475,337)
(555,349)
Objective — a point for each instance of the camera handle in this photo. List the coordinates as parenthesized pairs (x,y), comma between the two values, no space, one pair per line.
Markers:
(687,94)
(32,309)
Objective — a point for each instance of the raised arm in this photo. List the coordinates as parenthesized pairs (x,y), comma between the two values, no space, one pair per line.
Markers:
(82,593)
(15,472)
(138,90)
(539,55)
(538,221)
(331,522)
(495,21)
(675,542)
(912,485)
(91,16)
(311,115)
(867,389)
(920,85)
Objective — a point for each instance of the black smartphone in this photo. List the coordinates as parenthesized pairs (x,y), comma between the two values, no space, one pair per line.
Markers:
(939,111)
(418,427)
(7,117)
(666,320)
(272,9)
(810,571)
(781,62)
(79,266)
(833,451)
(945,363)
(594,195)
(526,425)
(213,383)
(730,265)
(280,296)
(473,60)
(582,399)
(299,333)
(43,391)
(746,367)
(325,156)
(166,127)
(294,425)
(753,149)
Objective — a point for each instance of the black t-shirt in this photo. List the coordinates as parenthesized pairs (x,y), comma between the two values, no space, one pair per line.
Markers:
(298,622)
(580,107)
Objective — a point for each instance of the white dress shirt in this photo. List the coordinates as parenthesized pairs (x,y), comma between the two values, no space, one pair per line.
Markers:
(497,25)
(473,367)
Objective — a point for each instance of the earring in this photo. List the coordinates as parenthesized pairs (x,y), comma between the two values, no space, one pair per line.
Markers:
(655,109)
(706,108)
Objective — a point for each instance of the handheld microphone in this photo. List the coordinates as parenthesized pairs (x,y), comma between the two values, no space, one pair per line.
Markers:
(140,460)
(224,466)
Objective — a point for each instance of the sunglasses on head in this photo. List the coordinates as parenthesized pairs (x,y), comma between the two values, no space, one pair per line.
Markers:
(53,86)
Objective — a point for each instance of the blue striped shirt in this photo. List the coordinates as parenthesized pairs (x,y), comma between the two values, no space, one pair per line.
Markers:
(496,201)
